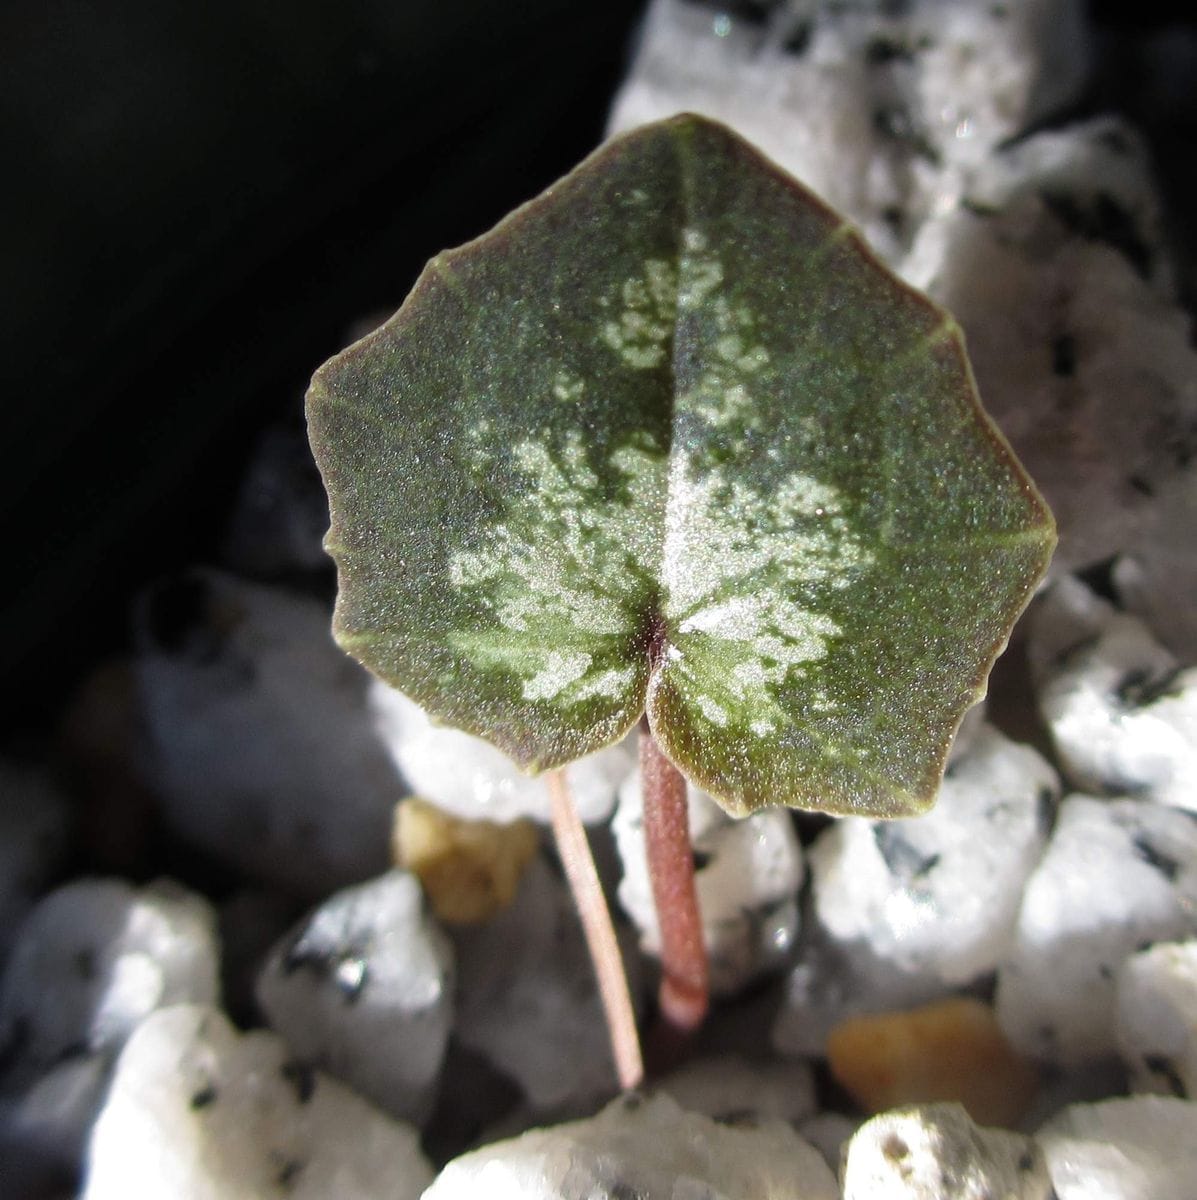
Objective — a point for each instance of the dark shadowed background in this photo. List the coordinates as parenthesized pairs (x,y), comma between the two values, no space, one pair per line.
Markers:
(198,199)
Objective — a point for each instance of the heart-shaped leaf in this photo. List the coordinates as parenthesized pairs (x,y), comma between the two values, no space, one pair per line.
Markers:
(671,438)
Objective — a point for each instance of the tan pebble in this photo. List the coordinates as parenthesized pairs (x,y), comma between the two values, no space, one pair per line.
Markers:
(470,870)
(950,1050)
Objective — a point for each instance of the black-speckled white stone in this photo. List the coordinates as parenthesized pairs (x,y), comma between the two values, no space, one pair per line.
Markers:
(1122,711)
(97,956)
(1157,1018)
(935,1152)
(261,749)
(937,895)
(1141,1148)
(363,988)
(200,1111)
(1117,875)
(88,965)
(647,1149)
(748,873)
(471,779)
(909,98)
(904,912)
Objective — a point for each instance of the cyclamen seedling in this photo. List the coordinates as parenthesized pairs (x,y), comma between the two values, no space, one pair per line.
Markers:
(670,442)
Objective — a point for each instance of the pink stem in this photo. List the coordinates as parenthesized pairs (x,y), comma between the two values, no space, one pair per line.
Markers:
(685,974)
(578,864)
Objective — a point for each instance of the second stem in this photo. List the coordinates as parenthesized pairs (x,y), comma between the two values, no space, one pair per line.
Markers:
(685,974)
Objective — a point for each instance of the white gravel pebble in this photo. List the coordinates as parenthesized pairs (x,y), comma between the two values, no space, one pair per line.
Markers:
(1117,875)
(88,965)
(905,912)
(199,1111)
(1157,1018)
(649,1149)
(1122,713)
(938,894)
(1141,1148)
(471,779)
(907,98)
(262,752)
(935,1152)
(364,990)
(96,957)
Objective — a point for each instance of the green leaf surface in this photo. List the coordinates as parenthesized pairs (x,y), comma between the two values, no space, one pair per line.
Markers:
(670,438)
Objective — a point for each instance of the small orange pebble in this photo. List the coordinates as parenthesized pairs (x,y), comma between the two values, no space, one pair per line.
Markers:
(470,870)
(950,1050)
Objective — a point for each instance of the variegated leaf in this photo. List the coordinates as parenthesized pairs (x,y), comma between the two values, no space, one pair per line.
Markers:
(670,438)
